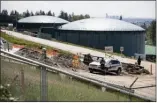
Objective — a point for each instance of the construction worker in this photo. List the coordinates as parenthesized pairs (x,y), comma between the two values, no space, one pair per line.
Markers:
(43,56)
(89,58)
(139,60)
(44,53)
(102,62)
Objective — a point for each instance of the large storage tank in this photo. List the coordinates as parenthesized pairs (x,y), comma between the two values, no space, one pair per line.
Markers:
(101,32)
(33,23)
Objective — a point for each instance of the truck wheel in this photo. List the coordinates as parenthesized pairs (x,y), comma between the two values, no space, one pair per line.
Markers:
(91,71)
(105,70)
(118,71)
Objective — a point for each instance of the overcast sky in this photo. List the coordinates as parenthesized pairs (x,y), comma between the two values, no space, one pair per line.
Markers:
(139,9)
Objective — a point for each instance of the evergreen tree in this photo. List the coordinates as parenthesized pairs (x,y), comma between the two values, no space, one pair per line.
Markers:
(17,13)
(31,13)
(70,18)
(43,13)
(27,14)
(37,13)
(120,17)
(53,14)
(151,33)
(65,16)
(81,17)
(12,13)
(49,13)
(87,16)
(61,15)
(4,12)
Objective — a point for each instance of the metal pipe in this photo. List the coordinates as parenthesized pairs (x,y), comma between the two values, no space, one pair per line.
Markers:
(144,87)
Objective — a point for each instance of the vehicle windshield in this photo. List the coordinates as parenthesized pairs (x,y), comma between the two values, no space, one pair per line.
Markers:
(97,59)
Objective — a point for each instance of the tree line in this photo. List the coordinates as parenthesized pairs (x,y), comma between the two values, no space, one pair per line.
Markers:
(15,15)
(151,33)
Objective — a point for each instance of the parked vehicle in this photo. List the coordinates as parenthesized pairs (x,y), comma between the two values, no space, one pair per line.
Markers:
(2,42)
(111,65)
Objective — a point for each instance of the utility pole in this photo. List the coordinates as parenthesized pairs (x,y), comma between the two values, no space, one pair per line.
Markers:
(43,78)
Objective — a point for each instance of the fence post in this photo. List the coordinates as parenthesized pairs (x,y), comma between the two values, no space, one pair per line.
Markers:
(43,84)
(22,82)
(151,69)
(43,78)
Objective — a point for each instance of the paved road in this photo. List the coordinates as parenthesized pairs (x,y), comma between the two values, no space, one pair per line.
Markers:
(75,49)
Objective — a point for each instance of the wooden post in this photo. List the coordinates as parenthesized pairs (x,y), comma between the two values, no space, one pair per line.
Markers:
(133,82)
(151,69)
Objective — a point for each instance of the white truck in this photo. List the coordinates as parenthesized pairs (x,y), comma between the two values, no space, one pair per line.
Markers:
(111,65)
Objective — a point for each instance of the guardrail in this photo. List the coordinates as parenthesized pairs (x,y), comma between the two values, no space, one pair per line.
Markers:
(121,89)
